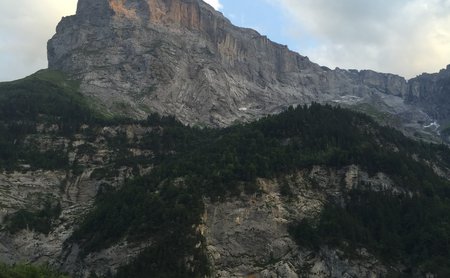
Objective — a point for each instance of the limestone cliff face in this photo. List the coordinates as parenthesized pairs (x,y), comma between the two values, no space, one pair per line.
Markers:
(182,57)
(431,92)
(248,236)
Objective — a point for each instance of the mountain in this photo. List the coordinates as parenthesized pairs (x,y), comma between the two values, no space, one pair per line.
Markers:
(430,92)
(316,191)
(239,173)
(183,58)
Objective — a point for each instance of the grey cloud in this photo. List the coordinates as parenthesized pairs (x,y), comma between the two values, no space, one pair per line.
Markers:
(400,36)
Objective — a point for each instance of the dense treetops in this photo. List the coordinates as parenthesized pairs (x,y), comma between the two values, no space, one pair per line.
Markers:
(221,163)
(191,164)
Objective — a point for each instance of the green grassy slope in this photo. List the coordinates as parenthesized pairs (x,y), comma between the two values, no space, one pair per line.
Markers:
(28,271)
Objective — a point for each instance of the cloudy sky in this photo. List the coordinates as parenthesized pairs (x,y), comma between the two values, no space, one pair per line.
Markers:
(406,37)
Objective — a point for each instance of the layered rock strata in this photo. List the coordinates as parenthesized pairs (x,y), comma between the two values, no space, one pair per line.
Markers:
(181,57)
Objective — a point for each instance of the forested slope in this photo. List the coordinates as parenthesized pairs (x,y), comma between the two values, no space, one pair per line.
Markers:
(407,229)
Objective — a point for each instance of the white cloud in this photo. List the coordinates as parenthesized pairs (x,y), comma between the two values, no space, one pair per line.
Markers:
(215,4)
(404,37)
(25,27)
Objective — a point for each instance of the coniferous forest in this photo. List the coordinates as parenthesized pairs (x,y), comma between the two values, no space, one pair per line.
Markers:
(191,164)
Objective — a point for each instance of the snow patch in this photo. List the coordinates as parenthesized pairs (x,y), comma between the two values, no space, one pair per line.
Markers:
(433,125)
(348,99)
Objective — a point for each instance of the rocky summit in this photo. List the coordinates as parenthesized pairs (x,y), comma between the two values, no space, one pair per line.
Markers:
(183,58)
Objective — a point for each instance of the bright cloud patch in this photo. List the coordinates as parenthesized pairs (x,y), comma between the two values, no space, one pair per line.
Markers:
(404,37)
(25,27)
(215,4)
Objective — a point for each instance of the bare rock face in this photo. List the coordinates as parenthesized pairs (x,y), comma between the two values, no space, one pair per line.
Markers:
(431,92)
(181,57)
(248,236)
(387,83)
(175,57)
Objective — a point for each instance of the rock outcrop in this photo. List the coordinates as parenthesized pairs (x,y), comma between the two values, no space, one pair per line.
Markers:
(249,236)
(431,92)
(181,57)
